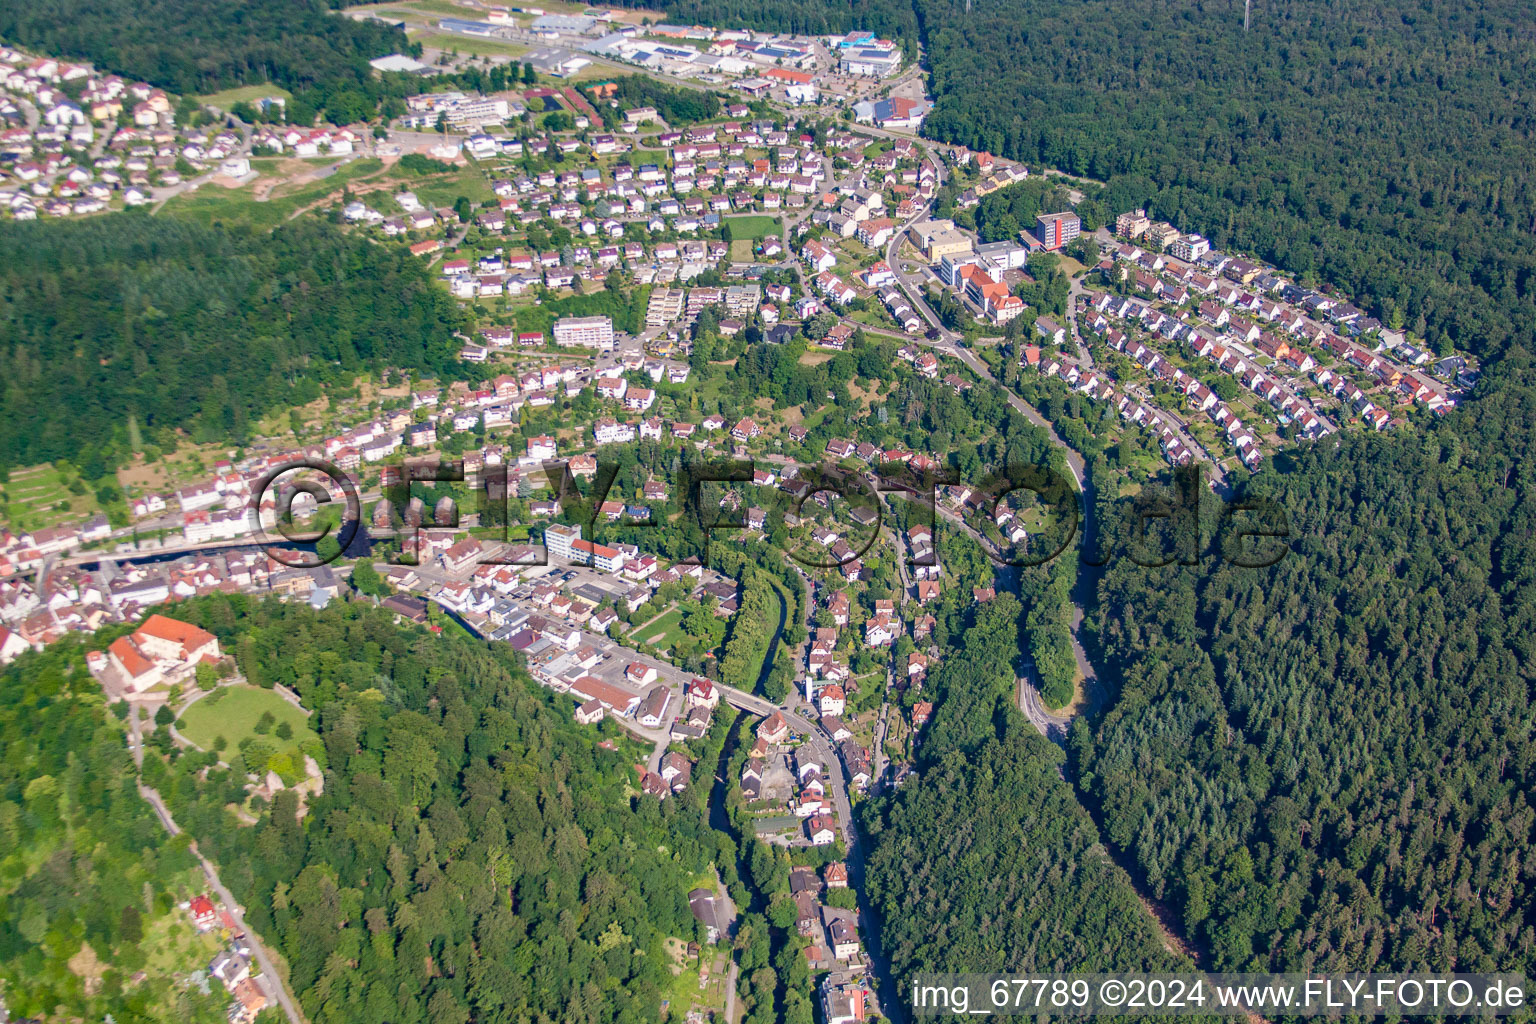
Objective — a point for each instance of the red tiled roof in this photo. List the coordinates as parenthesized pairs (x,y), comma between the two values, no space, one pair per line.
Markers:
(163,628)
(134,662)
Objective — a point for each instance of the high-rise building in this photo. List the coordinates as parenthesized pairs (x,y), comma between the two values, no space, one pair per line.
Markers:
(1132,225)
(559,538)
(1057,229)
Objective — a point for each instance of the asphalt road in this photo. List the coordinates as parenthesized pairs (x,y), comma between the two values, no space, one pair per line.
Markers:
(1052,725)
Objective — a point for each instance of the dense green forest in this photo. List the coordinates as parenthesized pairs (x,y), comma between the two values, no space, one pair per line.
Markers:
(186,328)
(989,822)
(475,855)
(88,878)
(675,105)
(1328,764)
(189,47)
(987,862)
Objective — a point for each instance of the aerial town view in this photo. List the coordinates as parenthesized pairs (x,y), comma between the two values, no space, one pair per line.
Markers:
(765,511)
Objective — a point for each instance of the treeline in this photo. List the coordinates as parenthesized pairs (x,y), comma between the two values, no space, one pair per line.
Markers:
(775,371)
(752,630)
(189,48)
(475,854)
(88,877)
(1001,215)
(175,328)
(1356,144)
(1047,591)
(888,18)
(1327,764)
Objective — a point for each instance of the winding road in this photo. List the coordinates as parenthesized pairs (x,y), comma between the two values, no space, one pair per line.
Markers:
(275,986)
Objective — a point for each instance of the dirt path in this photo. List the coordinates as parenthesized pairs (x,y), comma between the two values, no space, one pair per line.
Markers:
(351,186)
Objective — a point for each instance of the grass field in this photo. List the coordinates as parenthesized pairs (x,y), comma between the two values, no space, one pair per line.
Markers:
(876,317)
(662,631)
(471,12)
(214,203)
(286,198)
(471,45)
(172,942)
(243,94)
(812,419)
(174,470)
(753,226)
(444,7)
(234,716)
(1069,266)
(862,254)
(32,496)
(443,189)
(741,250)
(406,14)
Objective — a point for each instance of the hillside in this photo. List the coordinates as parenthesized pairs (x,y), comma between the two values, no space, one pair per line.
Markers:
(197,329)
(1378,148)
(89,881)
(1328,764)
(987,862)
(475,855)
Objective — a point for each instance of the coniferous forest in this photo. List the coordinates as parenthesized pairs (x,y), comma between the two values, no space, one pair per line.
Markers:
(1328,764)
(988,862)
(1324,765)
(1378,147)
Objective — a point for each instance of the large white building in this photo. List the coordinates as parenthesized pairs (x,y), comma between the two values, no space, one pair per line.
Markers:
(599,556)
(200,527)
(162,650)
(870,61)
(1189,247)
(584,332)
(456,107)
